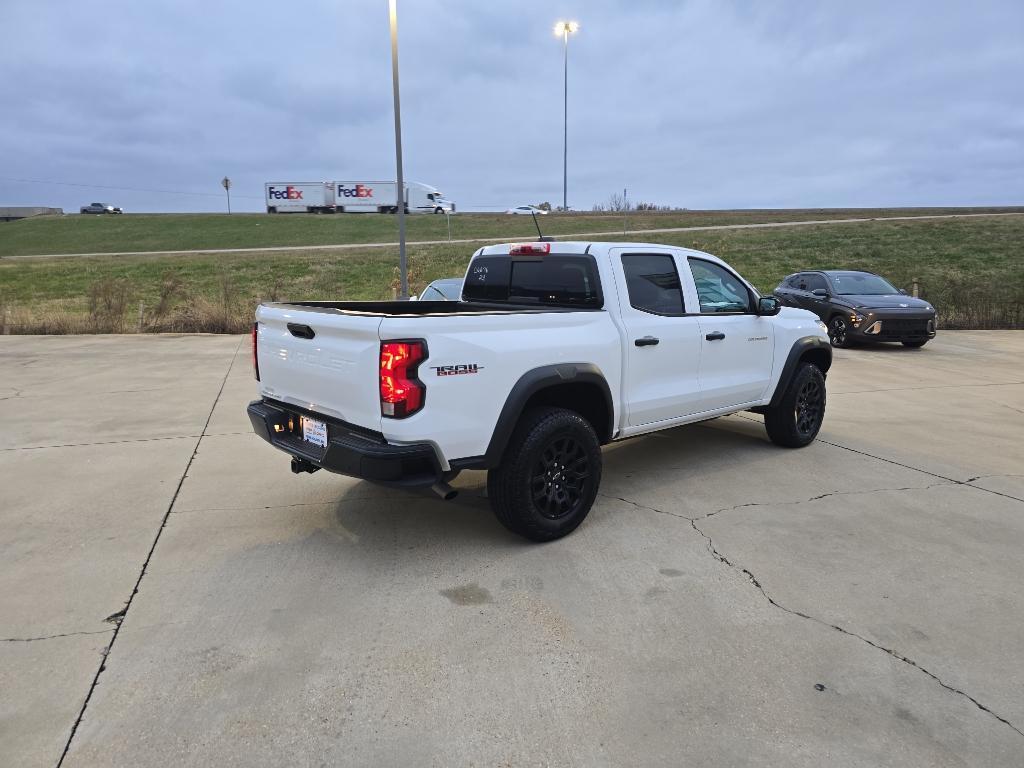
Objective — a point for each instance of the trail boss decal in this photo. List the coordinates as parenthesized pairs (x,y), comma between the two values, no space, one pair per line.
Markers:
(457,370)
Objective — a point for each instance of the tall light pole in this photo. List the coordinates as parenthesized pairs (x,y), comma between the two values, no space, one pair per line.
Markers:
(564,29)
(226,183)
(403,266)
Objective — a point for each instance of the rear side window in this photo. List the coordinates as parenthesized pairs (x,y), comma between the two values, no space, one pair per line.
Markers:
(653,283)
(553,280)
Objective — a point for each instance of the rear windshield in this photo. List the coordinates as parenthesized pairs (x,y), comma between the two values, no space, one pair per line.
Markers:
(555,280)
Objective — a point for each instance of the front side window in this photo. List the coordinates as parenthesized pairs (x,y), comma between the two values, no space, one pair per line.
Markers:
(718,289)
(653,283)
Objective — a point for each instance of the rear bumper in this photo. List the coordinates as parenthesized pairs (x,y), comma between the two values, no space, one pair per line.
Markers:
(350,450)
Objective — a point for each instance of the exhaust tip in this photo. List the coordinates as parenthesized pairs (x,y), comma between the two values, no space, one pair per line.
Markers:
(445,491)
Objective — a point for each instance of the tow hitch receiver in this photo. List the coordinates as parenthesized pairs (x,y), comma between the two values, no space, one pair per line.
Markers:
(301,465)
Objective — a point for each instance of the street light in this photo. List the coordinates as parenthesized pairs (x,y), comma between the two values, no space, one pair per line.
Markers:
(403,266)
(563,29)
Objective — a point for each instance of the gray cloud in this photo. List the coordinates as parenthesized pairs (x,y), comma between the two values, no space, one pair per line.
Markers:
(699,104)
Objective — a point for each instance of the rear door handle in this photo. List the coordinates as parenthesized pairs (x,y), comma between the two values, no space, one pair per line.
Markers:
(715,336)
(302,331)
(646,341)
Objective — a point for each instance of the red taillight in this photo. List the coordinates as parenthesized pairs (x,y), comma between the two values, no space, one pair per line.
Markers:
(530,249)
(255,359)
(401,393)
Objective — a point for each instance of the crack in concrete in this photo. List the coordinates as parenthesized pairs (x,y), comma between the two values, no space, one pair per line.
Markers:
(51,637)
(17,393)
(333,503)
(101,442)
(820,496)
(782,503)
(118,618)
(757,584)
(891,651)
(928,386)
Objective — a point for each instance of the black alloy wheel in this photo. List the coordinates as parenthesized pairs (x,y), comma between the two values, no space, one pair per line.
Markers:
(810,402)
(558,480)
(837,332)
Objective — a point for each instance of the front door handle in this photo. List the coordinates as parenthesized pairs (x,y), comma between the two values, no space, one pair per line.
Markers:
(646,341)
(715,336)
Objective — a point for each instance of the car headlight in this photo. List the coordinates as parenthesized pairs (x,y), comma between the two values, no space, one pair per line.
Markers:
(856,318)
(823,327)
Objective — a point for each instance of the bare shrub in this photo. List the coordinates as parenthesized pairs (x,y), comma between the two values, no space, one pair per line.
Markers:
(108,301)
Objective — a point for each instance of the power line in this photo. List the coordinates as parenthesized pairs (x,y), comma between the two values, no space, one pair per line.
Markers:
(124,189)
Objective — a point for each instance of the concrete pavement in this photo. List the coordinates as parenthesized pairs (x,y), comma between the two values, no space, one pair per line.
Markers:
(726,602)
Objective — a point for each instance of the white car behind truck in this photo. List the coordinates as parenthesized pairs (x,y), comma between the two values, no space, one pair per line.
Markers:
(353,197)
(554,350)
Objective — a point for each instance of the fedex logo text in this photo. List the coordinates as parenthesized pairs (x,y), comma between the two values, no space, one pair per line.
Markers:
(359,190)
(288,193)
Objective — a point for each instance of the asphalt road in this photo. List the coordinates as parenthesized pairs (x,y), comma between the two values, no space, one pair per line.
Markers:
(727,602)
(574,236)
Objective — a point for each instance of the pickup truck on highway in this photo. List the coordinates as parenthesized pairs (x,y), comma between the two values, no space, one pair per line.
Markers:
(555,349)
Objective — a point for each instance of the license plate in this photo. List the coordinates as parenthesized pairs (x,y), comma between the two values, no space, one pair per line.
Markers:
(314,431)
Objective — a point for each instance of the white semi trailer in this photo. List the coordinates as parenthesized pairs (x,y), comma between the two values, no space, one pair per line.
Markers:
(299,196)
(353,197)
(382,197)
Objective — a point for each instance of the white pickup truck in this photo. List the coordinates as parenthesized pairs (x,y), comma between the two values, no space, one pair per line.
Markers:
(555,349)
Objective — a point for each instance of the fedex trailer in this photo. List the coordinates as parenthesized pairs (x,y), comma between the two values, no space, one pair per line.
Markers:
(299,196)
(382,197)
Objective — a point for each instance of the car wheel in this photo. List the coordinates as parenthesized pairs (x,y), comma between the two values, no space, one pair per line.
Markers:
(795,422)
(838,332)
(915,344)
(548,478)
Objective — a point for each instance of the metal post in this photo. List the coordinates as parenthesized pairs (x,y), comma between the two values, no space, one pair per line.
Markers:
(403,265)
(565,123)
(448,215)
(228,190)
(142,314)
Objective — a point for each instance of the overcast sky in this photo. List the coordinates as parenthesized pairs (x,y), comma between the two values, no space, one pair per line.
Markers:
(700,104)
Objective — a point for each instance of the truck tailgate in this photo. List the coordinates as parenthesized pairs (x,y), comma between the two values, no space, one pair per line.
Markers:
(321,360)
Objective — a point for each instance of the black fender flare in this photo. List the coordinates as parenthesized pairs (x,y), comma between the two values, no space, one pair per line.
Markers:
(537,380)
(797,351)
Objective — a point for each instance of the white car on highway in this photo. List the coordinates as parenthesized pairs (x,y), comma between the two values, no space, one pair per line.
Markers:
(555,349)
(526,210)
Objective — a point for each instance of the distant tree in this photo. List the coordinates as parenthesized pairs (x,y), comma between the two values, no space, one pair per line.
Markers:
(545,206)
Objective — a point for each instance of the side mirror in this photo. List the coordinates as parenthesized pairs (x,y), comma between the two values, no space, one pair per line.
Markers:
(903,291)
(768,306)
(821,293)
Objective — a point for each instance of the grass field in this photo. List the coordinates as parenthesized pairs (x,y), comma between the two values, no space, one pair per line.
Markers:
(970,268)
(142,232)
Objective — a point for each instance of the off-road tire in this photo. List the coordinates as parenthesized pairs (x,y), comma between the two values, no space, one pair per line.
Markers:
(797,419)
(528,492)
